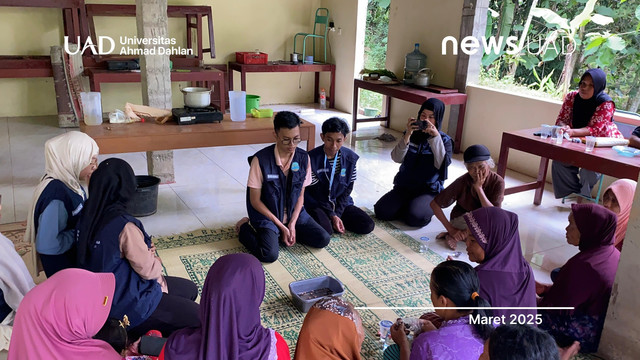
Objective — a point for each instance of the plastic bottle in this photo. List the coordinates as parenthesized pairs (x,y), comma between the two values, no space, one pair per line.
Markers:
(323,99)
(413,62)
(238,105)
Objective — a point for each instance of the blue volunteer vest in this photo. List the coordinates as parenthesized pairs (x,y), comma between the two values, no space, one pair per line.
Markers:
(417,171)
(342,178)
(276,193)
(134,296)
(57,190)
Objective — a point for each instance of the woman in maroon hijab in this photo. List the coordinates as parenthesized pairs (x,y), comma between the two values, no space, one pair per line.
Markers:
(506,279)
(585,281)
(230,314)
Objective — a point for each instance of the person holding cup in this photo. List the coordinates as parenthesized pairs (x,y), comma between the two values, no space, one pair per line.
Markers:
(586,112)
(425,154)
(453,284)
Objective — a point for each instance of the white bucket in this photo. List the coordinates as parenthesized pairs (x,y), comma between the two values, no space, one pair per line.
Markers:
(238,105)
(91,107)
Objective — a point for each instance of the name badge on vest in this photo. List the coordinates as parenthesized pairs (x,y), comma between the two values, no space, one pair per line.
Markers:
(343,172)
(272,177)
(322,170)
(295,166)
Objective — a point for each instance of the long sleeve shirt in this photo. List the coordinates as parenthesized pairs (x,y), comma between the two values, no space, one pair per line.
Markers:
(601,123)
(435,143)
(51,237)
(142,259)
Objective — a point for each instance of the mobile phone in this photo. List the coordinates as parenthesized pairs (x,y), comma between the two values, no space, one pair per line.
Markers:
(151,345)
(422,124)
(537,133)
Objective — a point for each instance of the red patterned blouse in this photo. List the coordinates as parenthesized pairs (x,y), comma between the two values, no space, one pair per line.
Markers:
(601,123)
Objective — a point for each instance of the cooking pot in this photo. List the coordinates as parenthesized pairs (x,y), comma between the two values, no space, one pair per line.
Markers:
(196,97)
(424,77)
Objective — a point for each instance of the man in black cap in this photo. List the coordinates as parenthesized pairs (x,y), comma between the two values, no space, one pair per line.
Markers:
(479,187)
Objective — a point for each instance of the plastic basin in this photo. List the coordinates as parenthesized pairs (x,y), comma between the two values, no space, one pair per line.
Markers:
(302,288)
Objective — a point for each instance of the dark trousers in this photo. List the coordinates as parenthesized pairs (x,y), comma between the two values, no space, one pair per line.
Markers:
(353,218)
(263,243)
(568,179)
(51,264)
(401,204)
(176,310)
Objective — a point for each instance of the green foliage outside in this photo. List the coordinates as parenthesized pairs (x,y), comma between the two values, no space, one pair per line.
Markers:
(605,33)
(375,46)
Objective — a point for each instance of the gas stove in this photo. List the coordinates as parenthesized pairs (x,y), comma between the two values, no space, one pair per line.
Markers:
(189,115)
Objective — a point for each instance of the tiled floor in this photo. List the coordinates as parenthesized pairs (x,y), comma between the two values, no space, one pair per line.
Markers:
(210,186)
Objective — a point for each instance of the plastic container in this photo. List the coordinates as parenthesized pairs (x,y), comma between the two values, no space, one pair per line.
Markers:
(308,59)
(238,105)
(413,62)
(251,57)
(145,201)
(91,107)
(299,288)
(371,111)
(262,113)
(253,102)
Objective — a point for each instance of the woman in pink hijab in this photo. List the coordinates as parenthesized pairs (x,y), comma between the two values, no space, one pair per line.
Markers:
(618,198)
(58,318)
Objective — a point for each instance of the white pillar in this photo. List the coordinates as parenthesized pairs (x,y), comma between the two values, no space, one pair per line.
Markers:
(152,22)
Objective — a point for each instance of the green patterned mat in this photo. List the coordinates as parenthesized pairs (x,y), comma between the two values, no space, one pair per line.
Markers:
(383,268)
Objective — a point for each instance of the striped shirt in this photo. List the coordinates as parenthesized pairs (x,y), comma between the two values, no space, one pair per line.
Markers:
(329,164)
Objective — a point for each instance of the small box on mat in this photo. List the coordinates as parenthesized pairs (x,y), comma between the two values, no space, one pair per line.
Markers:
(305,293)
(248,57)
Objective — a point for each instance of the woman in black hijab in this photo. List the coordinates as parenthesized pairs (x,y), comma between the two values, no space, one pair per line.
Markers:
(586,112)
(425,154)
(112,240)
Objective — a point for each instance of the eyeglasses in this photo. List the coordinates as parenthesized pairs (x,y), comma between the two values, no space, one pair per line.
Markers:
(287,141)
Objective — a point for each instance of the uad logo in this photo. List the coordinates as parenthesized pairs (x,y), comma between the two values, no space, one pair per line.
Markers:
(99,49)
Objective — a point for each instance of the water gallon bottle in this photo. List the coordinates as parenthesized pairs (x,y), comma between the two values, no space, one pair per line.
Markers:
(323,99)
(91,107)
(413,62)
(238,104)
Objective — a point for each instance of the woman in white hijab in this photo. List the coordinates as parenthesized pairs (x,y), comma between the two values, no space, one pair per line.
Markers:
(15,282)
(58,200)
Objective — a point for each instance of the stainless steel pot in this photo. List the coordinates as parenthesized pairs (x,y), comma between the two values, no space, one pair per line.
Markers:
(196,97)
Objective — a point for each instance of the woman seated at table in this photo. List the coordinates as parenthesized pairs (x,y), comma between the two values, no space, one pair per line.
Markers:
(479,187)
(425,154)
(230,311)
(586,112)
(585,281)
(453,284)
(111,240)
(506,278)
(618,197)
(342,342)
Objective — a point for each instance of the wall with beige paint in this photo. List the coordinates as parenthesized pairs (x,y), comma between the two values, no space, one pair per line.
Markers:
(238,26)
(426,22)
(344,45)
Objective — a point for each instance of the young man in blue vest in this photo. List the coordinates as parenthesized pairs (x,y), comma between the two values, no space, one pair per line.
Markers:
(275,195)
(333,173)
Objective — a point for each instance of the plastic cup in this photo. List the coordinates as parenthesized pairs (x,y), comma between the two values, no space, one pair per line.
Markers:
(385,328)
(591,143)
(545,131)
(424,244)
(559,136)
